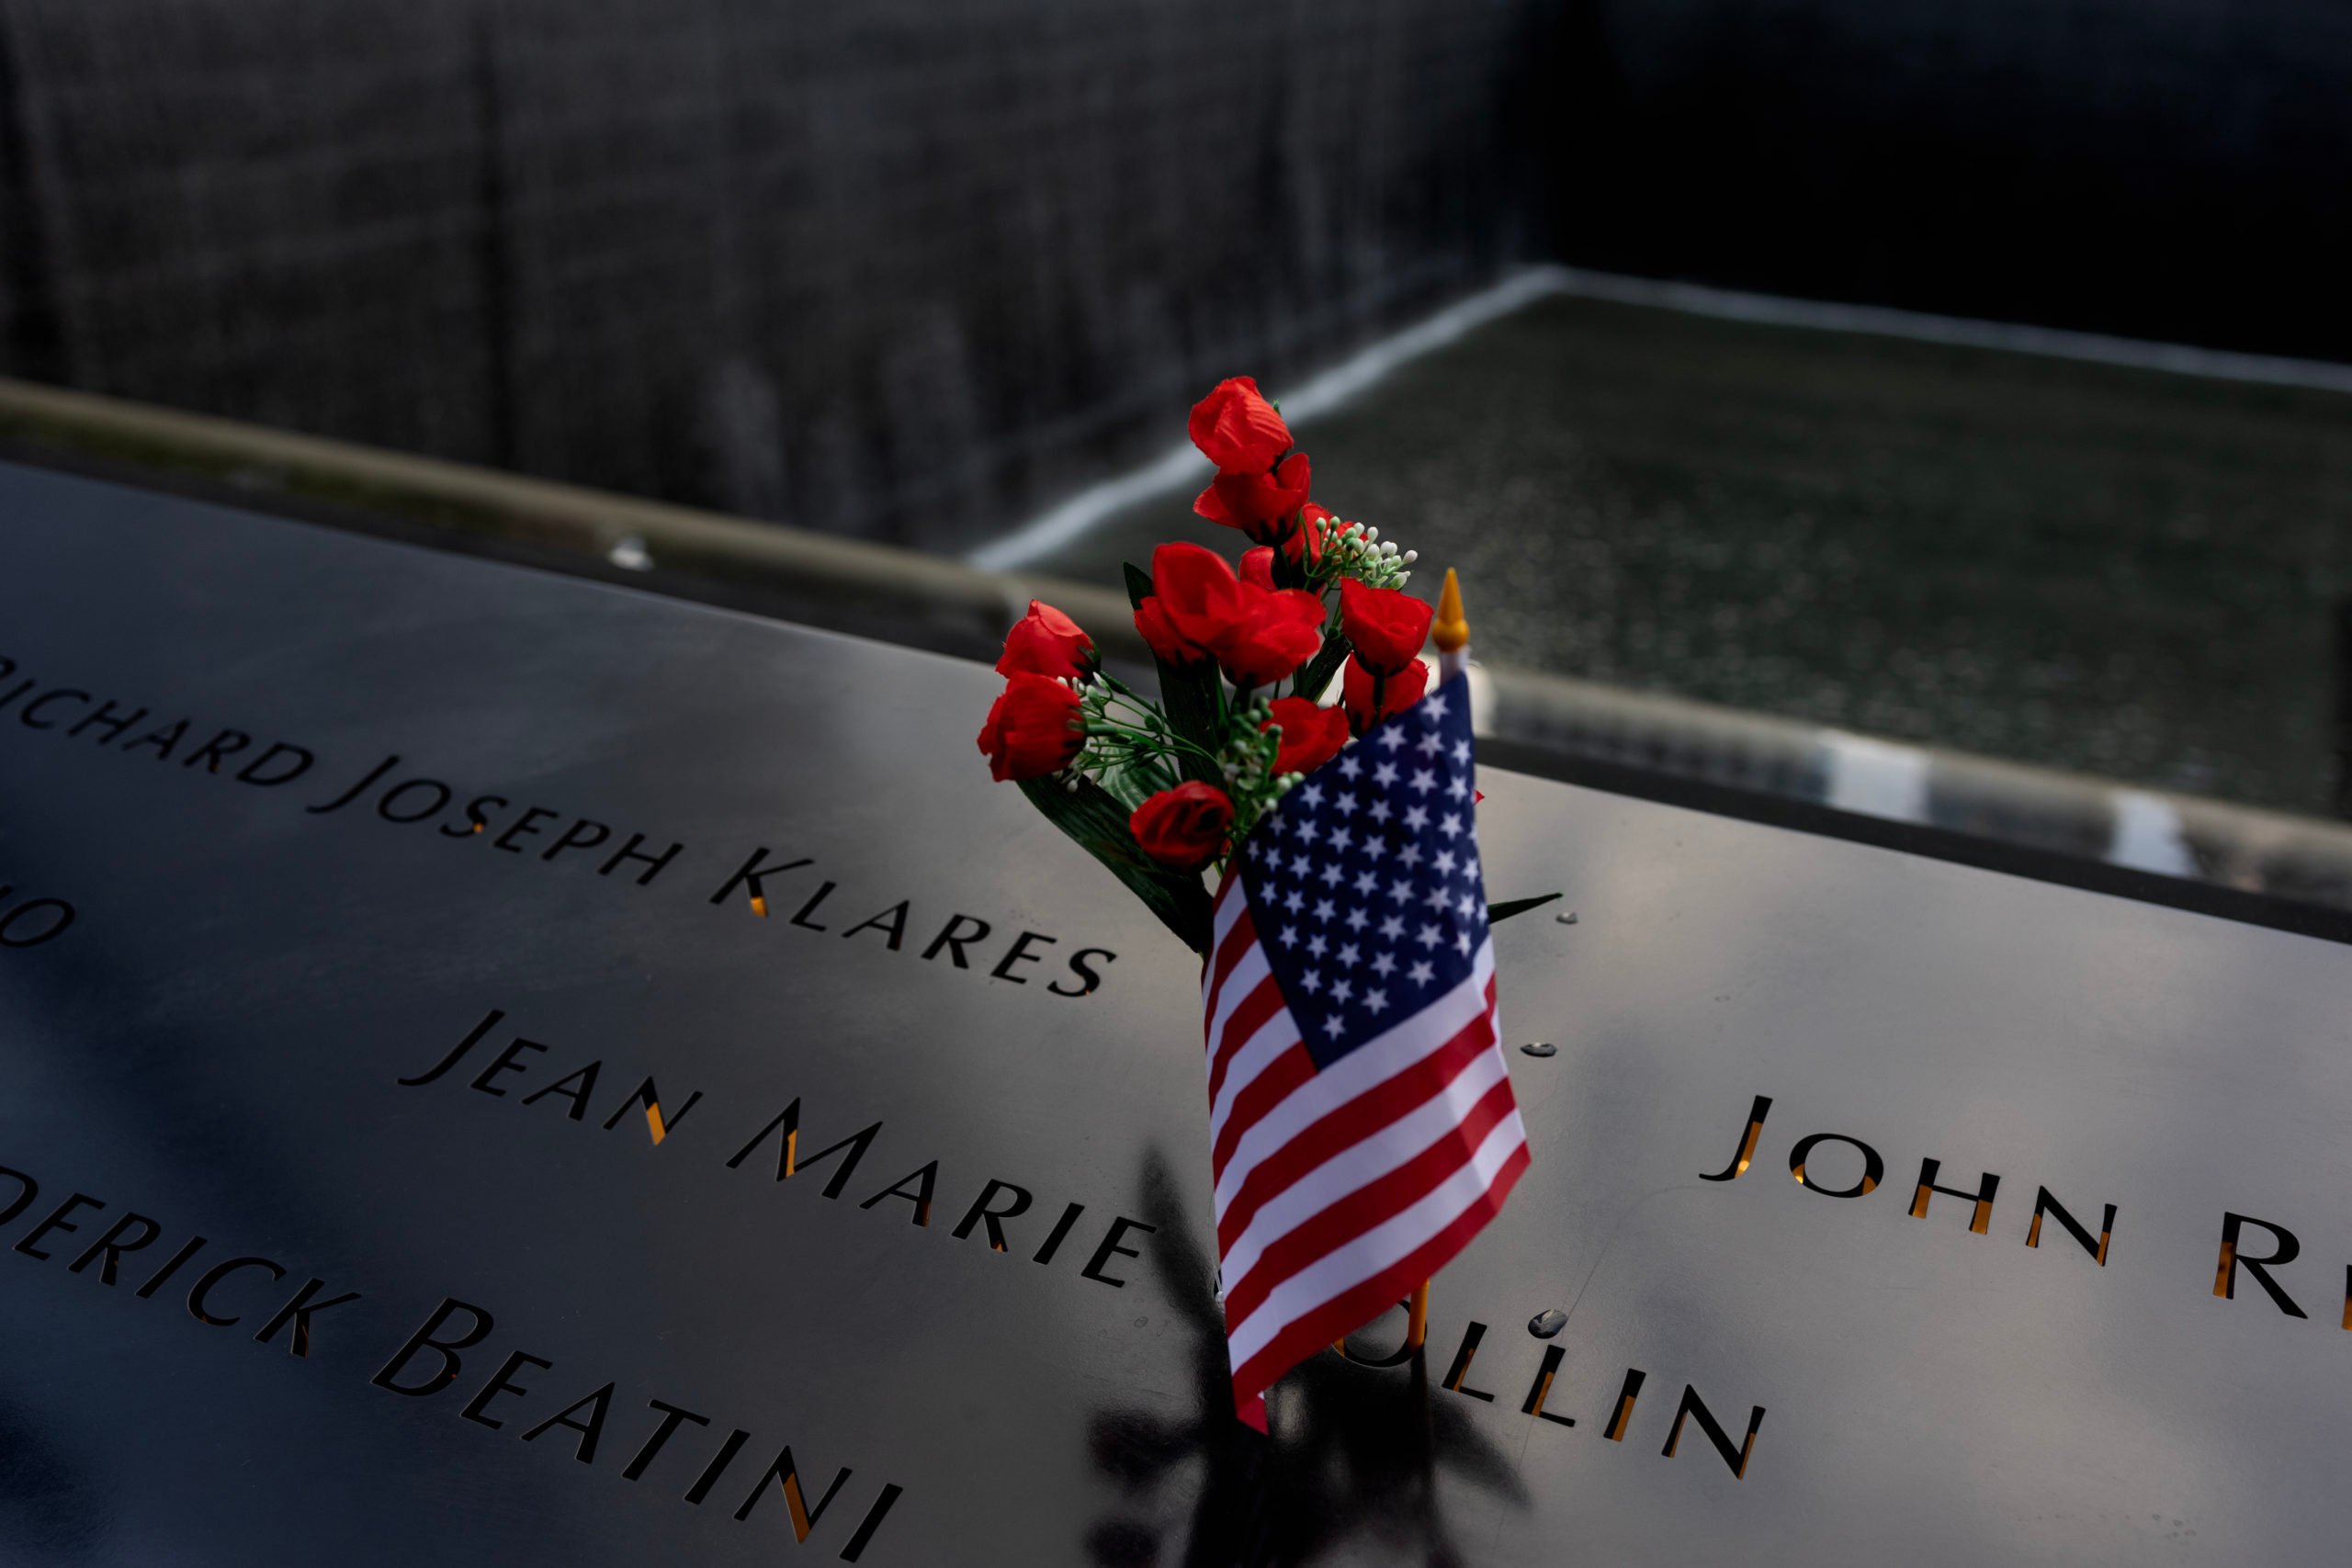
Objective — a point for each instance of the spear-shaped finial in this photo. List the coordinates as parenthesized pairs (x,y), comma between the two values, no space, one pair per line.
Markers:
(1451,629)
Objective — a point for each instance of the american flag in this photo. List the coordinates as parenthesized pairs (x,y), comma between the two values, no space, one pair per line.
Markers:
(1361,1114)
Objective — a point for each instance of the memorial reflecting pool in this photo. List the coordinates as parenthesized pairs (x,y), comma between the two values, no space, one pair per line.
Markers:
(2111,570)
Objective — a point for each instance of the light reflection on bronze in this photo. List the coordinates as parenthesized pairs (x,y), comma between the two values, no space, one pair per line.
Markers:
(1982,1197)
(1873,1166)
(1689,1408)
(1748,1150)
(1634,1377)
(793,1500)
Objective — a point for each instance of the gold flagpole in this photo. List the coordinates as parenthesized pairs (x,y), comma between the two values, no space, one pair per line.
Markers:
(1449,629)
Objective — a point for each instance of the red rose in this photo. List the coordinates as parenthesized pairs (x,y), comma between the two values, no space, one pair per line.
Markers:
(1260,504)
(1237,429)
(1194,597)
(1185,827)
(1311,736)
(1386,626)
(1301,540)
(1033,730)
(1044,642)
(1271,635)
(1151,621)
(1198,610)
(1258,567)
(1398,691)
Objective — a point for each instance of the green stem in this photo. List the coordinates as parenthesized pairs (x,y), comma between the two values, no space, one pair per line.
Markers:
(1141,738)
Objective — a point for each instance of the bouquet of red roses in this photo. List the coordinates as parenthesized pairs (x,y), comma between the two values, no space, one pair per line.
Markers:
(1361,1122)
(1160,791)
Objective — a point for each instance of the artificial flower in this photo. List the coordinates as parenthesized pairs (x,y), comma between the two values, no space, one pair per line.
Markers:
(1270,636)
(1311,736)
(1194,598)
(1199,610)
(1263,506)
(1044,642)
(1372,695)
(1033,729)
(1184,828)
(1385,625)
(1237,429)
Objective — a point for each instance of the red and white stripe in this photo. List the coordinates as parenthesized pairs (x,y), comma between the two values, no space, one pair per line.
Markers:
(1340,1190)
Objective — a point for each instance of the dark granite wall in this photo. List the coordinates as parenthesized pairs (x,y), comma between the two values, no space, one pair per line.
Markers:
(908,268)
(2171,169)
(890,266)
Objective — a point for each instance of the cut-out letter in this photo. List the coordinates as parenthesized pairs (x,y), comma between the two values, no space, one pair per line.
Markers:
(1982,1197)
(1457,1375)
(2097,1250)
(1693,1408)
(994,1218)
(1745,1152)
(919,1197)
(1873,1167)
(2226,1277)
(1622,1415)
(1541,1388)
(388,1375)
(590,1430)
(804,1518)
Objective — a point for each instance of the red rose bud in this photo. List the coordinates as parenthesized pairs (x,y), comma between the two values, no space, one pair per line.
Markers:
(1311,736)
(1194,599)
(1183,827)
(1237,429)
(1398,691)
(1152,624)
(1033,730)
(1258,567)
(1270,635)
(1385,625)
(1299,540)
(1044,642)
(1261,505)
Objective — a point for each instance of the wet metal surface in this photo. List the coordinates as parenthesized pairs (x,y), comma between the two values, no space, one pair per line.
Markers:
(216,1041)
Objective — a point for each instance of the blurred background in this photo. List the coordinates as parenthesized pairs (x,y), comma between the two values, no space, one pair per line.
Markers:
(1821,396)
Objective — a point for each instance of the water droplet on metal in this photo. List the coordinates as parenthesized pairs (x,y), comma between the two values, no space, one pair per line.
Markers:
(1567,919)
(1547,1323)
(1541,1048)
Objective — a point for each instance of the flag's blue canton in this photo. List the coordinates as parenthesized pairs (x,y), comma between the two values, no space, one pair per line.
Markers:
(1364,882)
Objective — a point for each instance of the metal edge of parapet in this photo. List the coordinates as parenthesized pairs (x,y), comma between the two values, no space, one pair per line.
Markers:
(960,605)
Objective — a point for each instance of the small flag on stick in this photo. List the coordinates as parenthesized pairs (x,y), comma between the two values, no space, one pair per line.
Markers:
(1360,1110)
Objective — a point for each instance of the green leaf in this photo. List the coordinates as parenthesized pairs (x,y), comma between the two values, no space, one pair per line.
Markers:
(1135,782)
(1323,666)
(1505,911)
(1098,824)
(1188,697)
